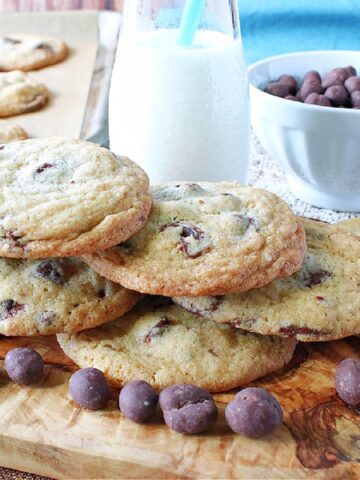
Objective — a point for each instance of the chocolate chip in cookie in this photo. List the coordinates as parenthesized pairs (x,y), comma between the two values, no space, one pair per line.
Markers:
(50,270)
(315,278)
(293,331)
(209,304)
(243,322)
(10,41)
(11,308)
(47,318)
(45,47)
(43,167)
(193,241)
(244,222)
(13,239)
(158,329)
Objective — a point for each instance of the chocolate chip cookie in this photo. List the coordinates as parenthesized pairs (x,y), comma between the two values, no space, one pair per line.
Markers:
(167,345)
(321,302)
(21,93)
(63,197)
(207,238)
(352,225)
(43,297)
(10,132)
(30,52)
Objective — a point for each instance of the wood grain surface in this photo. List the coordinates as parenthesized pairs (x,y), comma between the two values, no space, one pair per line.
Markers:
(43,431)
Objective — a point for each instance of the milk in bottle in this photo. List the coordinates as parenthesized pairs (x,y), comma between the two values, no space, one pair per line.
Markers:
(182,113)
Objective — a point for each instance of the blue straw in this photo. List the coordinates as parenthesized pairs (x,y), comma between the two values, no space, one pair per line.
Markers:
(190,21)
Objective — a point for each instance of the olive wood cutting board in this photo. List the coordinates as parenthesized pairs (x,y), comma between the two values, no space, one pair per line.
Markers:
(43,431)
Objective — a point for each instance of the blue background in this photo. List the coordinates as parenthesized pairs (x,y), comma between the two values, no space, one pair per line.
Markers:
(271,27)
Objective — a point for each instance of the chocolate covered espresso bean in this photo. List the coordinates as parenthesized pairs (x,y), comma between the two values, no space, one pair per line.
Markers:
(188,409)
(89,389)
(290,81)
(24,365)
(137,401)
(278,89)
(347,381)
(254,413)
(317,99)
(337,95)
(336,89)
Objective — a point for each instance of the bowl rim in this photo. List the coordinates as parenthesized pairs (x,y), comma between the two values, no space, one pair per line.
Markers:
(300,105)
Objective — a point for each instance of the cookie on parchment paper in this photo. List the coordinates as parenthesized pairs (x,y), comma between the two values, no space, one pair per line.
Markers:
(10,132)
(30,52)
(21,93)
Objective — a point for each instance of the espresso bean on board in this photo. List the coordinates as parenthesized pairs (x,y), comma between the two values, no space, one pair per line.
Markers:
(188,409)
(347,381)
(137,401)
(24,365)
(89,389)
(254,413)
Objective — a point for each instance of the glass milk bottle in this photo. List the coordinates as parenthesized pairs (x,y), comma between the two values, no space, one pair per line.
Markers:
(179,106)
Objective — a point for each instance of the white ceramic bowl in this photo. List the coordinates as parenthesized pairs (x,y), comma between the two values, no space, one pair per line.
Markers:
(318,146)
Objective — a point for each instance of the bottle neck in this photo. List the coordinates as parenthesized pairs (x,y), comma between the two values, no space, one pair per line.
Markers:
(148,15)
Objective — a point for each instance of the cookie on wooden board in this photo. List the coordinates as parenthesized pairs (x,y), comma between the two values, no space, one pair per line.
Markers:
(64,197)
(166,345)
(207,238)
(30,52)
(320,302)
(21,93)
(44,297)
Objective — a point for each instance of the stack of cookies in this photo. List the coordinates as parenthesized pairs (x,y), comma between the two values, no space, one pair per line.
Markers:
(61,198)
(226,278)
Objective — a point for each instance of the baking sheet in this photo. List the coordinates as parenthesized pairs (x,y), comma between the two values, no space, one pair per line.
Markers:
(68,81)
(95,125)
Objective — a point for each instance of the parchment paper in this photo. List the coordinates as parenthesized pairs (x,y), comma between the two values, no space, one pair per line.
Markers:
(68,81)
